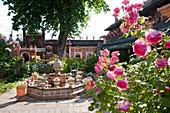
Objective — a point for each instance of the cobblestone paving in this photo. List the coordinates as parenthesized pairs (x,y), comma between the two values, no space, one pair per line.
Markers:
(9,104)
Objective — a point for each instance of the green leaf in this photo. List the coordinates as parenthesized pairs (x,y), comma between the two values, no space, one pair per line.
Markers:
(118,77)
(165,101)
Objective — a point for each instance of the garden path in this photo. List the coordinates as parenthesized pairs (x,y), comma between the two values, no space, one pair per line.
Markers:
(9,104)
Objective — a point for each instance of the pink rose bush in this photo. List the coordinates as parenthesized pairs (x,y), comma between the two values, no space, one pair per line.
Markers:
(142,84)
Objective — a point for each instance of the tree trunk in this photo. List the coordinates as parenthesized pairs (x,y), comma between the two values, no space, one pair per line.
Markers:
(61,43)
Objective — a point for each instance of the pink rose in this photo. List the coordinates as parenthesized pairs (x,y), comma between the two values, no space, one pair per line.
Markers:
(122,84)
(111,67)
(167,44)
(153,36)
(118,71)
(105,60)
(97,89)
(138,6)
(105,52)
(125,2)
(140,48)
(92,82)
(124,106)
(99,60)
(161,62)
(115,53)
(123,29)
(98,68)
(116,11)
(129,8)
(114,59)
(110,75)
(157,91)
(133,17)
(169,61)
(166,88)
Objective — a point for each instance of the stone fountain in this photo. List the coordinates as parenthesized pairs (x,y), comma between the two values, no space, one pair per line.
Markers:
(55,85)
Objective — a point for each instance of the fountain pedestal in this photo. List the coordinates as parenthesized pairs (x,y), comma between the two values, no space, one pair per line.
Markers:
(62,78)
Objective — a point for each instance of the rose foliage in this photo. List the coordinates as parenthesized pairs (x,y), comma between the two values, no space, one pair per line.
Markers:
(142,85)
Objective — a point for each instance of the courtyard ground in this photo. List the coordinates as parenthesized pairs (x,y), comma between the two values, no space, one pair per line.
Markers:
(9,104)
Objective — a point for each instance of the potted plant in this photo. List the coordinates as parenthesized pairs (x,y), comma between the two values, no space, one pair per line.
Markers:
(56,81)
(78,78)
(89,83)
(21,89)
(34,75)
(70,80)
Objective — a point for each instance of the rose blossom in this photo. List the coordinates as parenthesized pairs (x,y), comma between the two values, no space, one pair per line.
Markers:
(129,8)
(140,48)
(114,59)
(169,61)
(98,68)
(157,91)
(110,75)
(118,71)
(167,44)
(133,17)
(138,6)
(123,29)
(124,106)
(111,67)
(116,11)
(122,84)
(92,82)
(166,89)
(105,53)
(97,89)
(125,2)
(99,60)
(153,36)
(115,53)
(161,62)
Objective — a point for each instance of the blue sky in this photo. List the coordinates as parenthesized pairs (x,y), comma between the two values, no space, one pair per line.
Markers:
(96,26)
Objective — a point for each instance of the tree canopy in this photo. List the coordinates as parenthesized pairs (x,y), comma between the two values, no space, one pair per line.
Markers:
(64,16)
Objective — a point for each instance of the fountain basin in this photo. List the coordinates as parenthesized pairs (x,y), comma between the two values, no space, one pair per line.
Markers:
(66,92)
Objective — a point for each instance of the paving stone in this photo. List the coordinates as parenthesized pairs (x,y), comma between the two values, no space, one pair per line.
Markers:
(57,110)
(38,107)
(70,110)
(83,109)
(62,106)
(64,110)
(51,111)
(77,109)
(45,111)
(39,110)
(32,111)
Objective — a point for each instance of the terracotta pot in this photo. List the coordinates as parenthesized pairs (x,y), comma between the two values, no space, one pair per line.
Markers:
(88,87)
(21,91)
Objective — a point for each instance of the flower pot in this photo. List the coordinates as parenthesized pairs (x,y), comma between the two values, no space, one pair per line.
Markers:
(21,91)
(88,87)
